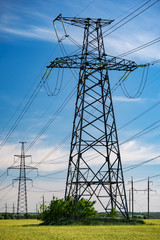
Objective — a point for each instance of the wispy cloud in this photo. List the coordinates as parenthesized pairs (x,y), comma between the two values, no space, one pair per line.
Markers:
(38,153)
(32,32)
(125,99)
(18,21)
(134,152)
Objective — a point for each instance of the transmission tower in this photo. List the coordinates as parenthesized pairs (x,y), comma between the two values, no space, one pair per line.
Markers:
(22,187)
(94,169)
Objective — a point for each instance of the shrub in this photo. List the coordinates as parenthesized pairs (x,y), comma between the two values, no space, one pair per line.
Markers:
(64,209)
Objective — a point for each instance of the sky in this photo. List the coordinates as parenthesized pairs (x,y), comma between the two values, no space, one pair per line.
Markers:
(27,45)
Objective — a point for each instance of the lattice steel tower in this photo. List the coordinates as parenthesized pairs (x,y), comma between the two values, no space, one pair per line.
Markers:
(95,169)
(22,188)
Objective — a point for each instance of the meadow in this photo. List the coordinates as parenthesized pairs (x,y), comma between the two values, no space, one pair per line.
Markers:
(31,230)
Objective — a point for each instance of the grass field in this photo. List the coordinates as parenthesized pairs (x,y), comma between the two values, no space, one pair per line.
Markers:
(30,230)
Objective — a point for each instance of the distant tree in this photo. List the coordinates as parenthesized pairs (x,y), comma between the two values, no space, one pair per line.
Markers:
(64,209)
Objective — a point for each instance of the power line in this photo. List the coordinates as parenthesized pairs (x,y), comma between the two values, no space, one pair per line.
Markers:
(24,110)
(117,23)
(142,132)
(3,179)
(141,86)
(129,168)
(144,179)
(154,62)
(1,189)
(47,190)
(125,18)
(44,113)
(63,105)
(85,8)
(134,166)
(140,115)
(140,164)
(54,173)
(129,9)
(130,18)
(57,112)
(150,43)
(54,149)
(6,193)
(26,107)
(18,122)
(126,124)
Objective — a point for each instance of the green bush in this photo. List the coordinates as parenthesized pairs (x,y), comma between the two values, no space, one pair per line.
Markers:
(64,209)
(1,217)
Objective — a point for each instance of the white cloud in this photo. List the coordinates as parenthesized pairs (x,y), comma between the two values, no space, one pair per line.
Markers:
(125,99)
(132,152)
(32,32)
(135,152)
(38,154)
(121,43)
(116,43)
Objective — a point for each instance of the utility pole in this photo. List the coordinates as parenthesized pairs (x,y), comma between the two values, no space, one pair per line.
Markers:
(6,210)
(148,197)
(145,190)
(94,126)
(22,207)
(129,201)
(43,203)
(36,210)
(13,209)
(132,196)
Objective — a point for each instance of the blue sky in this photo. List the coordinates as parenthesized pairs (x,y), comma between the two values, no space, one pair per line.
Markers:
(27,44)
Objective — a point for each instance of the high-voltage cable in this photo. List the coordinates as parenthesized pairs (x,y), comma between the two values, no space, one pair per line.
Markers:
(132,17)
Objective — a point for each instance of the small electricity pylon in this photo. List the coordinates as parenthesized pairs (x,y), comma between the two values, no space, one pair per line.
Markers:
(94,129)
(22,207)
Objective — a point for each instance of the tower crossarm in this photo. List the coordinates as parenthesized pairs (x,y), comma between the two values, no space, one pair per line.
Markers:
(22,155)
(26,167)
(81,22)
(22,179)
(25,179)
(96,63)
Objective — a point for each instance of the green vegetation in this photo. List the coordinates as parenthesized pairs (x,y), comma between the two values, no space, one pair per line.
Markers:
(60,209)
(15,216)
(31,230)
(113,213)
(95,222)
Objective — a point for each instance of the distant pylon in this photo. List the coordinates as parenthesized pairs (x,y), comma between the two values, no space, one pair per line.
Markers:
(95,168)
(22,207)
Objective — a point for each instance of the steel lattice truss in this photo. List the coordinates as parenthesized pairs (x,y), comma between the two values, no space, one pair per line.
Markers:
(94,170)
(22,207)
(93,63)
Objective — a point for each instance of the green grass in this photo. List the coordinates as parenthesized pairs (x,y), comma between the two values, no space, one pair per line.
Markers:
(95,221)
(31,230)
